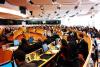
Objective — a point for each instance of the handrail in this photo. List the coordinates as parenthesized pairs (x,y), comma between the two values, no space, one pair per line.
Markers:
(89,55)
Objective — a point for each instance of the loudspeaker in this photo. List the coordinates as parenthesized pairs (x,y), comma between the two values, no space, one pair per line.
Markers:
(31,2)
(2,1)
(31,12)
(75,7)
(22,9)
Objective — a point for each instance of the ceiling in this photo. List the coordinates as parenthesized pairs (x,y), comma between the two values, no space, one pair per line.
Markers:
(8,16)
(55,9)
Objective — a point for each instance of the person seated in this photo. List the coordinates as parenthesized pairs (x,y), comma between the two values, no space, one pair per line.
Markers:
(82,47)
(25,46)
(31,39)
(68,55)
(38,44)
(16,42)
(19,57)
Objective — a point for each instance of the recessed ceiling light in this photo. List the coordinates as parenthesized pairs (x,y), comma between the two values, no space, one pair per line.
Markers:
(67,12)
(55,12)
(96,4)
(75,7)
(72,16)
(58,7)
(31,2)
(42,12)
(92,8)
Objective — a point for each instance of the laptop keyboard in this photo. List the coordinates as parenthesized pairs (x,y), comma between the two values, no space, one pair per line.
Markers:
(38,62)
(46,56)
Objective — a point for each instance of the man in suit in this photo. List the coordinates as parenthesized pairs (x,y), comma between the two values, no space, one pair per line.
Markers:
(19,57)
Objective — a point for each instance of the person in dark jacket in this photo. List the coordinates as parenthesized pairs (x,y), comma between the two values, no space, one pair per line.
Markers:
(19,57)
(68,55)
(25,46)
(83,47)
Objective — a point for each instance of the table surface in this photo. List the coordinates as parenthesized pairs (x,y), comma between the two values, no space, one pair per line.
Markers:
(5,56)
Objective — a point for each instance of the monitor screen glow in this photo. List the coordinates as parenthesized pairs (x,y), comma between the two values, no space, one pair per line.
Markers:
(31,40)
(9,64)
(16,42)
(45,47)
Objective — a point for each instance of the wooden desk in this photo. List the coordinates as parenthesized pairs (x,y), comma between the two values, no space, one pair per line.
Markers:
(5,56)
(34,57)
(12,48)
(48,60)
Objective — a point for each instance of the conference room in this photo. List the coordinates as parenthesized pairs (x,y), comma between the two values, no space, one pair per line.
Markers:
(49,33)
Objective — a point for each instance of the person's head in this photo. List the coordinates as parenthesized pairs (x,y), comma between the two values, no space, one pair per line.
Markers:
(81,35)
(24,41)
(63,42)
(68,37)
(19,56)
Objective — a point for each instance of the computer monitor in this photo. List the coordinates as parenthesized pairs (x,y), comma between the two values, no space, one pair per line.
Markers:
(16,42)
(31,40)
(39,52)
(45,47)
(9,64)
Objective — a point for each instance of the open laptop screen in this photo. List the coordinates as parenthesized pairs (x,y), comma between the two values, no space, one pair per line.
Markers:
(45,47)
(31,40)
(16,42)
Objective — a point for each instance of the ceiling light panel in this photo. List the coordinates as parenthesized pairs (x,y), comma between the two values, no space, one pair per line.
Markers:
(67,1)
(42,2)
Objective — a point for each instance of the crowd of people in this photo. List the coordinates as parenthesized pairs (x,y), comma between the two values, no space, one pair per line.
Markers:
(73,51)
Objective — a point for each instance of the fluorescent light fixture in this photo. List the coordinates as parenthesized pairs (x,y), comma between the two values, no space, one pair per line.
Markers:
(95,1)
(14,12)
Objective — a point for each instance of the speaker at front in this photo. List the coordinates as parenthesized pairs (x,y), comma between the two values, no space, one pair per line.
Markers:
(2,1)
(22,9)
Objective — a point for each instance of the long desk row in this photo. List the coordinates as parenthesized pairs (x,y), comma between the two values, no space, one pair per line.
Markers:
(40,57)
(36,57)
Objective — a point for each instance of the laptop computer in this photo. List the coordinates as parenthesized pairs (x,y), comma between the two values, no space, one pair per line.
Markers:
(45,49)
(16,42)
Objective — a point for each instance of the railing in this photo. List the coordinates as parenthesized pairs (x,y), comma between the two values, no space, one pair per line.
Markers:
(87,62)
